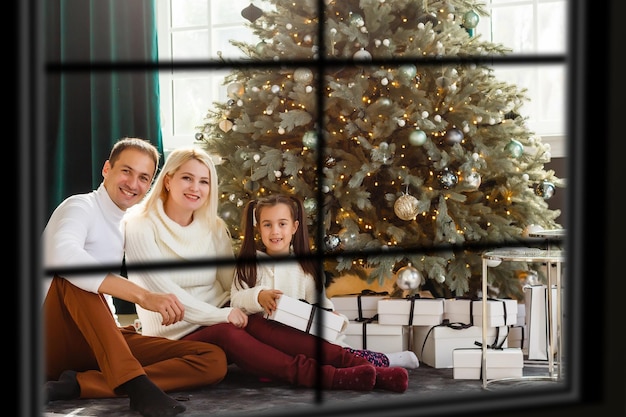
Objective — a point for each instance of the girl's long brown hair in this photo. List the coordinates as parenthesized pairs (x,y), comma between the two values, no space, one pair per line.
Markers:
(246,270)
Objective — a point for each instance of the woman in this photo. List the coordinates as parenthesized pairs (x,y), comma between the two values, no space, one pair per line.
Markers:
(178,222)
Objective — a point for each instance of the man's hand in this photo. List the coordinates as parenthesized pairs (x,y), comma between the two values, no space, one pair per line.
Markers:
(167,305)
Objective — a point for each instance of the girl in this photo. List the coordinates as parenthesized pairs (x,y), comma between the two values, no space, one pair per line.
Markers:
(259,283)
(178,222)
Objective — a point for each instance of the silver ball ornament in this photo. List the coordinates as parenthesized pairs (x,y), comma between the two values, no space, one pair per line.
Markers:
(453,136)
(406,207)
(409,278)
(235,90)
(448,179)
(473,180)
(309,139)
(362,55)
(417,137)
(332,243)
(545,189)
(303,75)
(514,148)
(310,205)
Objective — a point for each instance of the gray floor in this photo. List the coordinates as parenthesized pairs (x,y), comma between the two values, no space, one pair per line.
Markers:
(431,391)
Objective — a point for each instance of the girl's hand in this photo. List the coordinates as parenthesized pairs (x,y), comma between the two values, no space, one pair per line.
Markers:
(268,299)
(238,318)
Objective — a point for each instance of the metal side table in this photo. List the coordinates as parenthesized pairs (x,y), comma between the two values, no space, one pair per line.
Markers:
(550,257)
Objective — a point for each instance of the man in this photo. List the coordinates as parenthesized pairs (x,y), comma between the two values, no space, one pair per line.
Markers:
(87,355)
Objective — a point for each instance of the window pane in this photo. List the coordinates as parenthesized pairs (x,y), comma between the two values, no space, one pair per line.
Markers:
(192,44)
(513,27)
(546,87)
(552,26)
(192,98)
(189,13)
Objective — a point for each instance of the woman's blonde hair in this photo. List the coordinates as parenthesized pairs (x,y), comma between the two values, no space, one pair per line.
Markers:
(177,158)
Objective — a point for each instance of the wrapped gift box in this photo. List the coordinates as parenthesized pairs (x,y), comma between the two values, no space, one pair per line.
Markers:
(434,345)
(426,311)
(518,337)
(500,363)
(521,314)
(537,320)
(500,312)
(304,316)
(458,310)
(376,337)
(357,306)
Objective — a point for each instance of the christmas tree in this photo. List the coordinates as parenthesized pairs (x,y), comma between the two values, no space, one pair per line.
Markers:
(386,119)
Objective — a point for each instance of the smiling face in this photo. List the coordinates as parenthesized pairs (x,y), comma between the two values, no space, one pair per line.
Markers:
(277,227)
(128,180)
(188,189)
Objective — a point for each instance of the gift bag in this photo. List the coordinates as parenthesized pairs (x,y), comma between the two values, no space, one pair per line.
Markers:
(536,299)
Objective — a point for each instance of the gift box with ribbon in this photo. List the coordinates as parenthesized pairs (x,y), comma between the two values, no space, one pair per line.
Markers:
(369,334)
(500,363)
(411,311)
(500,312)
(361,306)
(434,345)
(306,317)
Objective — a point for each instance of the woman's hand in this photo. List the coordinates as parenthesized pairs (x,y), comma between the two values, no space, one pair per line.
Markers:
(268,299)
(238,318)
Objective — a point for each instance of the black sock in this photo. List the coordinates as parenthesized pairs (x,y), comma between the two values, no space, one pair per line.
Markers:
(66,388)
(149,400)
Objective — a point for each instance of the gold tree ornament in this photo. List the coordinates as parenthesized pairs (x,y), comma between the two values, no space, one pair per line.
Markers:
(406,207)
(225,125)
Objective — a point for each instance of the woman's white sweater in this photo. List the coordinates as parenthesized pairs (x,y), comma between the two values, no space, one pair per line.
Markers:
(203,290)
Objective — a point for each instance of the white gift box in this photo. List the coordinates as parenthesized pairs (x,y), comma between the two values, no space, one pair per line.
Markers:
(500,312)
(537,320)
(426,311)
(376,337)
(518,337)
(357,306)
(500,363)
(434,345)
(304,316)
(521,314)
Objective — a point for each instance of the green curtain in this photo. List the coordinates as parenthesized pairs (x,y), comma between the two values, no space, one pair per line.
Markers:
(100,86)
